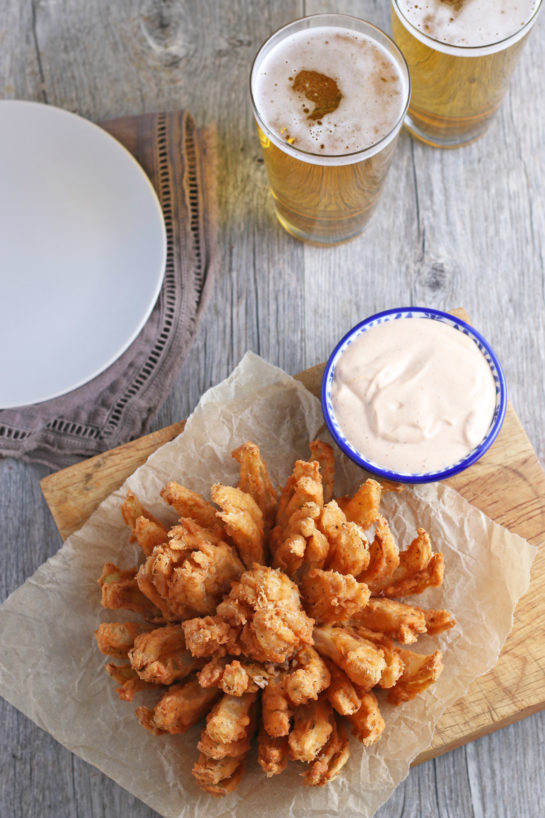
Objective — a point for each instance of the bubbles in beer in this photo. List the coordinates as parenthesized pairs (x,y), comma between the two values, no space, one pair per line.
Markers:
(470,23)
(334,91)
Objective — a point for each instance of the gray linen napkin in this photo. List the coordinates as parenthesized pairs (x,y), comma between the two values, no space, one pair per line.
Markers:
(119,404)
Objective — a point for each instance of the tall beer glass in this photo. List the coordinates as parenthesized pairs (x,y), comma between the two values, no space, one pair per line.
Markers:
(461,55)
(329,94)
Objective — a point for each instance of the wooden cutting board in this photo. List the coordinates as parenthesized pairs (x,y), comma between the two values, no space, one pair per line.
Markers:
(507,484)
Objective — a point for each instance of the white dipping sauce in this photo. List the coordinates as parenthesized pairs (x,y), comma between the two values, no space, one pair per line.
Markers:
(413,395)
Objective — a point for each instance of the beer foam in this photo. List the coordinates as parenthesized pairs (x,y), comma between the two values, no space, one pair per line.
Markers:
(469,23)
(373,91)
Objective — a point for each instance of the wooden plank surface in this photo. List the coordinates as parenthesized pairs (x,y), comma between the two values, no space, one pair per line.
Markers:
(464,227)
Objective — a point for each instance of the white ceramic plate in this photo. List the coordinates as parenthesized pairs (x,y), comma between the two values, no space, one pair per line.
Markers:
(82,251)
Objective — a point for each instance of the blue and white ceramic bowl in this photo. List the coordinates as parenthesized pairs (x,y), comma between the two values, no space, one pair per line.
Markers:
(408,313)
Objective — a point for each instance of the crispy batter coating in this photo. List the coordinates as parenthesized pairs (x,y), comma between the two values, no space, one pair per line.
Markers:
(207,571)
(291,543)
(438,621)
(367,723)
(312,726)
(234,677)
(393,669)
(363,507)
(402,622)
(189,503)
(128,681)
(218,776)
(145,717)
(430,577)
(331,759)
(146,529)
(209,635)
(182,706)
(243,521)
(145,580)
(394,664)
(120,590)
(225,741)
(302,544)
(303,486)
(161,657)
(254,480)
(117,638)
(348,545)
(230,718)
(276,710)
(148,534)
(332,597)
(417,556)
(384,555)
(420,671)
(323,453)
(190,535)
(362,661)
(218,749)
(247,677)
(190,573)
(206,575)
(211,674)
(265,603)
(308,678)
(132,509)
(341,693)
(419,568)
(270,637)
(272,753)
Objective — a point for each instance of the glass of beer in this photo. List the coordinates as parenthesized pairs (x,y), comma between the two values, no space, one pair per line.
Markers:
(461,55)
(329,94)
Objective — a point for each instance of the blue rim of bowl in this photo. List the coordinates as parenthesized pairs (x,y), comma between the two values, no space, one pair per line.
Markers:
(403,313)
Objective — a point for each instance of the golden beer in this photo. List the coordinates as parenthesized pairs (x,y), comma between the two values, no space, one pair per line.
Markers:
(329,94)
(459,73)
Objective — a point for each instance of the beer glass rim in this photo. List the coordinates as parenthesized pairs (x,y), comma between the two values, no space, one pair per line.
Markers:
(467,50)
(336,20)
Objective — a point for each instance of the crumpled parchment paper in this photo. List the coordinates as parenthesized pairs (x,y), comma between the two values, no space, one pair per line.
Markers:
(51,669)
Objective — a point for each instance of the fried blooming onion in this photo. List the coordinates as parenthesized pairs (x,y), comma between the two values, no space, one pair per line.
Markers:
(271,615)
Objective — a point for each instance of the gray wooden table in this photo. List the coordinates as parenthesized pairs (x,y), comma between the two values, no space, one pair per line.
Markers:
(459,228)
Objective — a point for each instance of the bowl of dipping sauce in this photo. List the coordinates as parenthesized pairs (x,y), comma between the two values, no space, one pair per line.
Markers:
(413,395)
